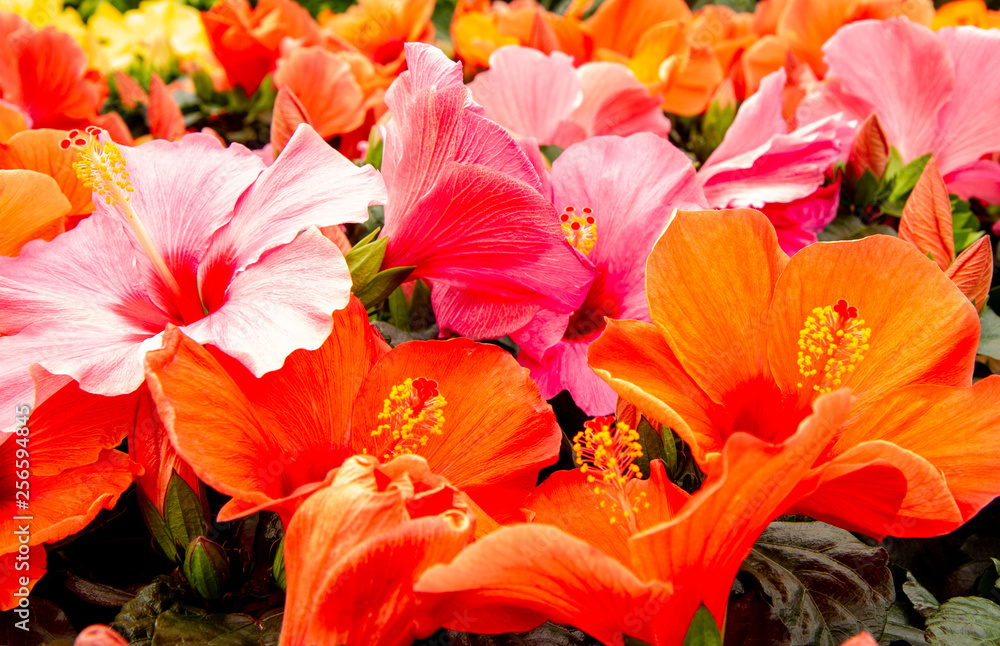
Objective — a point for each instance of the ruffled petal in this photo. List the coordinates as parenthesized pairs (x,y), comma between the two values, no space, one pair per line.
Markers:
(31,207)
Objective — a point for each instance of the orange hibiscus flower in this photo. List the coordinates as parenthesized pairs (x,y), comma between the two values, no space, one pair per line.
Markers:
(744,340)
(616,556)
(354,549)
(469,409)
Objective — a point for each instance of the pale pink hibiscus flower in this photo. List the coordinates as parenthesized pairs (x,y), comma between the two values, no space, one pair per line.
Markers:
(761,164)
(543,96)
(615,196)
(207,240)
(934,92)
(466,208)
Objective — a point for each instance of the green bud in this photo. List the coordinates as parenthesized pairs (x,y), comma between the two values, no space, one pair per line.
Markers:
(158,528)
(278,569)
(206,567)
(183,512)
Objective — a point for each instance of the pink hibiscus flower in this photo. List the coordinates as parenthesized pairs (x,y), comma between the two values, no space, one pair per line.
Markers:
(934,92)
(466,208)
(190,234)
(543,96)
(615,196)
(761,165)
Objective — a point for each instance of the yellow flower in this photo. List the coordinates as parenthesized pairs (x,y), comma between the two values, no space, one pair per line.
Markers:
(43,13)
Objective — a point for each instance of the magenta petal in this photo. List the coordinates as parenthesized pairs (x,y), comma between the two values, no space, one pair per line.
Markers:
(970,122)
(615,102)
(281,303)
(528,92)
(310,184)
(980,179)
(798,222)
(184,192)
(426,66)
(903,70)
(564,367)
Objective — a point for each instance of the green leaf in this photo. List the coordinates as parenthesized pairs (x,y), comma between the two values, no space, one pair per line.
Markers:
(825,584)
(188,626)
(551,152)
(545,635)
(866,189)
(443,12)
(399,310)
(716,123)
(907,178)
(203,86)
(158,528)
(923,601)
(990,580)
(898,627)
(965,224)
(364,260)
(850,227)
(893,165)
(989,336)
(374,154)
(183,512)
(382,284)
(652,448)
(702,631)
(278,566)
(965,621)
(376,218)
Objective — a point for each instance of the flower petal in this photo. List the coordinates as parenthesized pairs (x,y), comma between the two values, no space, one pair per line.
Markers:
(972,271)
(31,207)
(39,150)
(616,103)
(926,220)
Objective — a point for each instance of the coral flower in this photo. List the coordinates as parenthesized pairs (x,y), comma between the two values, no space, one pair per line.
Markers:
(469,409)
(762,336)
(231,258)
(545,97)
(761,164)
(354,550)
(616,556)
(928,91)
(67,451)
(466,208)
(246,39)
(615,197)
(378,28)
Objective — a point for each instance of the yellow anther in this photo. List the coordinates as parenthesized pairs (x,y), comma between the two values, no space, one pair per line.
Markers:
(410,416)
(607,452)
(100,166)
(833,340)
(580,229)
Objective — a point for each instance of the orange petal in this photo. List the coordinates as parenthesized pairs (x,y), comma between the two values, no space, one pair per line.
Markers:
(328,94)
(498,432)
(619,24)
(11,121)
(877,488)
(691,86)
(962,12)
(31,208)
(39,150)
(870,150)
(926,220)
(709,281)
(766,55)
(966,452)
(513,579)
(568,501)
(15,578)
(657,44)
(287,114)
(806,25)
(635,360)
(923,329)
(353,552)
(861,639)
(129,90)
(262,440)
(163,113)
(972,271)
(701,550)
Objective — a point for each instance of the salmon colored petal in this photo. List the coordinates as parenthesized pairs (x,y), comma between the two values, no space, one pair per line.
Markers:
(736,258)
(635,360)
(926,220)
(870,150)
(14,581)
(912,418)
(497,431)
(806,26)
(31,207)
(922,328)
(972,271)
(701,549)
(39,150)
(284,430)
(616,103)
(129,91)
(287,114)
(63,504)
(877,488)
(544,573)
(12,121)
(861,639)
(328,93)
(98,635)
(618,24)
(163,113)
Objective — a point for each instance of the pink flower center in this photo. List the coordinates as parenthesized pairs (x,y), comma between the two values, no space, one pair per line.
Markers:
(588,321)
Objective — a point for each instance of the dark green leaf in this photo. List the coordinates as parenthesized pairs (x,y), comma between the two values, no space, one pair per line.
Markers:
(184,516)
(866,189)
(991,579)
(399,310)
(752,621)
(551,152)
(825,584)
(965,621)
(989,337)
(653,448)
(850,227)
(158,528)
(922,600)
(190,627)
(702,631)
(899,627)
(382,284)
(278,567)
(544,635)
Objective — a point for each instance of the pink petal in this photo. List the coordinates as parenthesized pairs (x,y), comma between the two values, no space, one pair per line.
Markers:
(758,120)
(426,67)
(279,304)
(828,99)
(181,222)
(615,102)
(903,70)
(310,184)
(798,222)
(528,92)
(970,122)
(564,367)
(980,179)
